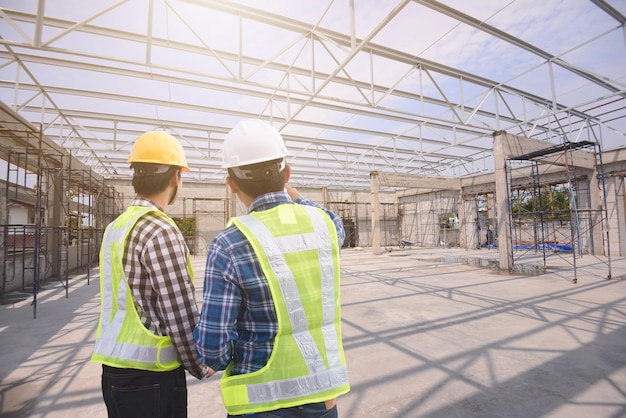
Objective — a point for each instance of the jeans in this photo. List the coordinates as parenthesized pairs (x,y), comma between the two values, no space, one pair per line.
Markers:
(312,410)
(132,393)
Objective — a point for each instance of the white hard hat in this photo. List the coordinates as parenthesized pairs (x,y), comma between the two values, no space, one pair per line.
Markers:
(252,141)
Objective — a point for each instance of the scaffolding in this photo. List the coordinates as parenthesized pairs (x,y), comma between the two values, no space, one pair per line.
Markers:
(479,223)
(430,219)
(556,215)
(68,210)
(348,212)
(207,218)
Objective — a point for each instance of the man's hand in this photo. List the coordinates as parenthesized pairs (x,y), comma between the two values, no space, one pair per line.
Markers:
(208,373)
(293,192)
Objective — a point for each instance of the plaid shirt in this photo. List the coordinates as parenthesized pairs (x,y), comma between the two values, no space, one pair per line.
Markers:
(155,263)
(238,320)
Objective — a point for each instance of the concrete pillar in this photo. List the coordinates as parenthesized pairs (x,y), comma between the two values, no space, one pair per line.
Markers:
(374,187)
(462,221)
(56,219)
(596,198)
(470,230)
(615,204)
(490,200)
(505,249)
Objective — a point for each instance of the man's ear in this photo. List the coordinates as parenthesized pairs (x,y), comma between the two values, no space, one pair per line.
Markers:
(232,185)
(287,173)
(178,174)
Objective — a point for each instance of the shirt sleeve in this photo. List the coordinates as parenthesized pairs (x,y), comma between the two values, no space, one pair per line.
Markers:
(341,233)
(165,259)
(216,329)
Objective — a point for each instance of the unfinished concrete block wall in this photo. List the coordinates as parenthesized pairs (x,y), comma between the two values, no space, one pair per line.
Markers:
(470,223)
(431,219)
(212,204)
(616,204)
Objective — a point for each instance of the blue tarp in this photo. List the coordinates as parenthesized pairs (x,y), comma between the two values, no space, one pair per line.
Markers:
(548,247)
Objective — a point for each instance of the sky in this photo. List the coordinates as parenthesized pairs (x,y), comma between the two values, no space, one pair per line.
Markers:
(198,93)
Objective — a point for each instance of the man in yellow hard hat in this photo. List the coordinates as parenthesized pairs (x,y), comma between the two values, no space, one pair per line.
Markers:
(270,309)
(148,311)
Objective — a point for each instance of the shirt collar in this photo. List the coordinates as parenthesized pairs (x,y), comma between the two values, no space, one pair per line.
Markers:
(269,200)
(141,201)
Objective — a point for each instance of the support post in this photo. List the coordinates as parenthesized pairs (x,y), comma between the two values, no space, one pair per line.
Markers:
(505,248)
(596,204)
(462,221)
(374,186)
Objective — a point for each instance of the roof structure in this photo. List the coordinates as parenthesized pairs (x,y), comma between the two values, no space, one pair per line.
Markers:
(398,86)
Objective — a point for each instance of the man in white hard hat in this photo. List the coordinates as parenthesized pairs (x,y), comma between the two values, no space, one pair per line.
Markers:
(148,310)
(270,312)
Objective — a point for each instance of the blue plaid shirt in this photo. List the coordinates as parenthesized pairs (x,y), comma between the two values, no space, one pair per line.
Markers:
(238,322)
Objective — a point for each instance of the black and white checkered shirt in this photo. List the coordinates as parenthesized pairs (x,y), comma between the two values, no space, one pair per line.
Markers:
(155,263)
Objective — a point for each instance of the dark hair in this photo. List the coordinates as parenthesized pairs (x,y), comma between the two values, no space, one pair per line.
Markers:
(151,184)
(262,178)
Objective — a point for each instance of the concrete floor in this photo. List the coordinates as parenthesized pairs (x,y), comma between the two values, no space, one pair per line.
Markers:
(427,332)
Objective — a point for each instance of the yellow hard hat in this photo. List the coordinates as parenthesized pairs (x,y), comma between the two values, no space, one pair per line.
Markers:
(158,147)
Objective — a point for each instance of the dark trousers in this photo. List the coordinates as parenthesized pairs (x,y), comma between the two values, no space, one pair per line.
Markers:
(132,393)
(312,410)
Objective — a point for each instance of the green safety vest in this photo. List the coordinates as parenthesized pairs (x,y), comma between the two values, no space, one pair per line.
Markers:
(122,340)
(298,250)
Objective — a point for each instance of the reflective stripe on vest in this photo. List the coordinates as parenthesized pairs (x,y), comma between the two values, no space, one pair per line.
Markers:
(330,379)
(145,350)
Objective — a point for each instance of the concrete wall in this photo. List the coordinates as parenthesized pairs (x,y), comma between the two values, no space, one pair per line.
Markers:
(20,271)
(407,216)
(616,211)
(19,266)
(420,218)
(471,232)
(212,204)
(426,219)
(414,218)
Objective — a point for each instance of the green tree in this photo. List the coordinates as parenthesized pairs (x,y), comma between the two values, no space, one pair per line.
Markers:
(552,203)
(186,225)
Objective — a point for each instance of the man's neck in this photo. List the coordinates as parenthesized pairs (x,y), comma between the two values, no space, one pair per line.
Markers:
(160,200)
